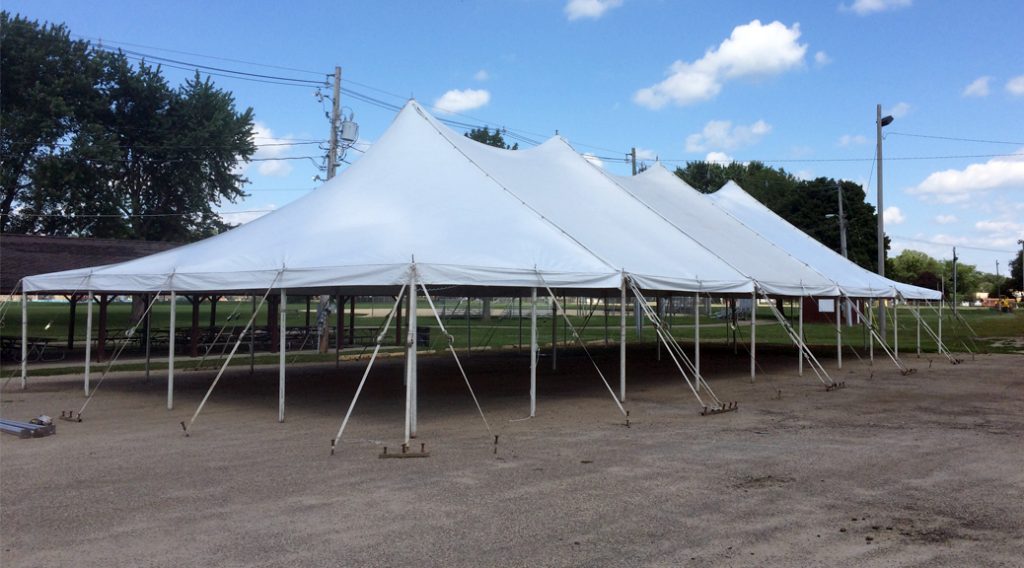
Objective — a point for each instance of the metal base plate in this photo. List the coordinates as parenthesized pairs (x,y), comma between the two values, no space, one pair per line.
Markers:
(727,407)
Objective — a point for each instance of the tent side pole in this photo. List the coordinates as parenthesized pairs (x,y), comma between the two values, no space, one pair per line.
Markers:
(533,352)
(800,367)
(282,347)
(622,343)
(753,334)
(940,324)
(170,351)
(554,335)
(24,338)
(871,338)
(839,332)
(88,340)
(696,336)
(149,331)
(896,328)
(917,307)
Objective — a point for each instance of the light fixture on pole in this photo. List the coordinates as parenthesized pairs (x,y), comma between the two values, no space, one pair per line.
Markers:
(881,121)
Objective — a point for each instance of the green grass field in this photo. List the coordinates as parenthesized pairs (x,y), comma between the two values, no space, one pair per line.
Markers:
(50,320)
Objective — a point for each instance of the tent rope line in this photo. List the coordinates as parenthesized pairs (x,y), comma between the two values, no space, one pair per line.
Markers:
(579,340)
(451,347)
(957,319)
(805,351)
(676,352)
(234,349)
(124,343)
(366,372)
(904,369)
(942,349)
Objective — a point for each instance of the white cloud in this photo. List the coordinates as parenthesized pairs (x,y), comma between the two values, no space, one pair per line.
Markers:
(645,154)
(945,219)
(722,135)
(459,101)
(719,158)
(751,50)
(1015,86)
(269,147)
(821,59)
(805,175)
(593,159)
(998,226)
(865,7)
(851,139)
(978,87)
(893,216)
(592,9)
(482,75)
(898,110)
(954,186)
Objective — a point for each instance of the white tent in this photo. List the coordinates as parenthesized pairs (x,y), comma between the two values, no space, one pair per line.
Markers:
(854,280)
(774,269)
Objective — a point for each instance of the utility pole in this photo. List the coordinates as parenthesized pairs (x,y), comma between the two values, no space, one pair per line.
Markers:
(842,221)
(879,123)
(332,153)
(999,288)
(1021,243)
(632,158)
(332,165)
(954,281)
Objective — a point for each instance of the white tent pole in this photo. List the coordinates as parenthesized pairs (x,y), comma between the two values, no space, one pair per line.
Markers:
(533,352)
(410,363)
(554,335)
(839,332)
(622,343)
(696,336)
(170,350)
(414,373)
(282,348)
(870,322)
(753,333)
(24,337)
(917,307)
(801,332)
(940,323)
(896,327)
(88,341)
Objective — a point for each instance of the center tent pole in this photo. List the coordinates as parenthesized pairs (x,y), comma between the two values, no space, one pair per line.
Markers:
(88,340)
(753,334)
(410,363)
(896,327)
(533,352)
(283,335)
(801,332)
(622,342)
(170,351)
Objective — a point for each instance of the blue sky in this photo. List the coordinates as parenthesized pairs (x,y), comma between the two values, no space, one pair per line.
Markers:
(794,84)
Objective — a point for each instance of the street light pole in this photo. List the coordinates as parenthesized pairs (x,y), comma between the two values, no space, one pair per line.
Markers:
(842,220)
(1021,243)
(880,121)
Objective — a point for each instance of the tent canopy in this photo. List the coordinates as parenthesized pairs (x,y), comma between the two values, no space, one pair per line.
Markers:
(855,280)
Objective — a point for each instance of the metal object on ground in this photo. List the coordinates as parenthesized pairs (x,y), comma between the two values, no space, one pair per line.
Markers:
(726,407)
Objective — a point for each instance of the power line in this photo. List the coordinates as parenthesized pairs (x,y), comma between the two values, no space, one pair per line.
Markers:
(223,70)
(814,160)
(923,241)
(956,139)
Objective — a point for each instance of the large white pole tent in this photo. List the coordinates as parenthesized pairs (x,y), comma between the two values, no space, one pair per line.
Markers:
(429,207)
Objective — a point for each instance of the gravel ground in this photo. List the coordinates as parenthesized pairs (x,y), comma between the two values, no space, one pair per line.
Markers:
(922,470)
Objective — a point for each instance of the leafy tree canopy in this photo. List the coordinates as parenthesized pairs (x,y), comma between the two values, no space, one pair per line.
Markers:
(94,146)
(485,136)
(804,203)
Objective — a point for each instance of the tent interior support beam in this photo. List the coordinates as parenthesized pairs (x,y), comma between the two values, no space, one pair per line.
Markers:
(410,363)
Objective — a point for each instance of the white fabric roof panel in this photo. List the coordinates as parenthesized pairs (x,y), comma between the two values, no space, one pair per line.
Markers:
(567,190)
(855,280)
(411,196)
(774,269)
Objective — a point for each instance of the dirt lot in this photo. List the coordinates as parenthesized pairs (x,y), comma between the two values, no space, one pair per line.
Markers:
(923,470)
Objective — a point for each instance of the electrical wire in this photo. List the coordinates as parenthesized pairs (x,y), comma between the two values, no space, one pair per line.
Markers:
(955,139)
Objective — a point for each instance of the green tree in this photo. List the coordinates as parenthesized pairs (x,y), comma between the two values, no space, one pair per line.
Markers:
(1016,272)
(804,203)
(485,136)
(140,159)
